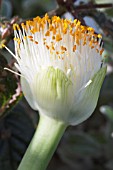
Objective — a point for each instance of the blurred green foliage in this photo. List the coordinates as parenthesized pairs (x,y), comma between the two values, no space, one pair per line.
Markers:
(87,146)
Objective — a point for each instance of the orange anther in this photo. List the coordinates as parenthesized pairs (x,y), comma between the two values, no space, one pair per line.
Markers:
(47,47)
(36,42)
(30,36)
(57,52)
(74,48)
(58,37)
(63,48)
(101,51)
(53,37)
(47,33)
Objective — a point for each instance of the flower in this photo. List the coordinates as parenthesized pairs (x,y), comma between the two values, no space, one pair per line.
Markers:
(61,67)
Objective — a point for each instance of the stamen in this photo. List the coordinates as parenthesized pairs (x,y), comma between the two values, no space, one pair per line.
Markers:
(13,72)
(9,51)
(57,28)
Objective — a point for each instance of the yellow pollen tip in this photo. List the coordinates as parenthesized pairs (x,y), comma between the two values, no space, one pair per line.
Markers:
(3,45)
(23,25)
(17,26)
(99,36)
(14,38)
(25,37)
(19,41)
(32,31)
(14,26)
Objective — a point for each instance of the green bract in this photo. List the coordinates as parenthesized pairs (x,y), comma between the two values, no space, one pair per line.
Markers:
(52,92)
(85,105)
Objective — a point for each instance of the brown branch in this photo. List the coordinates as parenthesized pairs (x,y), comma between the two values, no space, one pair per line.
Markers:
(90,6)
(58,11)
(67,6)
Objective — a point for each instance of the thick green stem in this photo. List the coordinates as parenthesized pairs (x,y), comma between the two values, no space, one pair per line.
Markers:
(43,144)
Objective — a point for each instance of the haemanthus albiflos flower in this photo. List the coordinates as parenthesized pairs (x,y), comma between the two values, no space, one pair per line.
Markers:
(60,63)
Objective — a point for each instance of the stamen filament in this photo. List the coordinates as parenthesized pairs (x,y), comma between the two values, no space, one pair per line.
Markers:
(5,68)
(9,51)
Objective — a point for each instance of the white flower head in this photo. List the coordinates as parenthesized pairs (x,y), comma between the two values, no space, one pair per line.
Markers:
(60,63)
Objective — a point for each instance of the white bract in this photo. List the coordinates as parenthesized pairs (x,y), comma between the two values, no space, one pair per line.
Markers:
(60,63)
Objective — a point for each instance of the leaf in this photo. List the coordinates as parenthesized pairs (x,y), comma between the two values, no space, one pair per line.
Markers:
(10,91)
(16,131)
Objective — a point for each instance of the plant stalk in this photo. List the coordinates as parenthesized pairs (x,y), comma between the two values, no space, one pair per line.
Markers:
(43,144)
